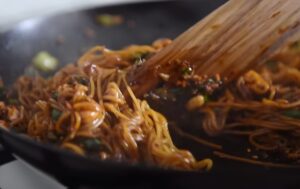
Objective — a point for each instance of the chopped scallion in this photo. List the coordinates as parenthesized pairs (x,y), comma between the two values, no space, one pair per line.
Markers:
(109,20)
(92,144)
(206,98)
(13,101)
(187,71)
(55,114)
(45,62)
(292,113)
(83,81)
(55,95)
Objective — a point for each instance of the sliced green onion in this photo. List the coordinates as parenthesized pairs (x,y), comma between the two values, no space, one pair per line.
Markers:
(139,57)
(55,95)
(206,98)
(138,62)
(45,62)
(295,45)
(210,80)
(92,144)
(83,81)
(79,79)
(109,20)
(55,114)
(13,101)
(292,113)
(187,71)
(176,90)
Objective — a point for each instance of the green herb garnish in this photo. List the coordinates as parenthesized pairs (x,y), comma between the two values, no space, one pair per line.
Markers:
(55,95)
(78,79)
(83,81)
(92,144)
(138,62)
(13,101)
(55,114)
(139,58)
(45,62)
(187,71)
(140,55)
(210,80)
(176,90)
(206,98)
(109,20)
(292,114)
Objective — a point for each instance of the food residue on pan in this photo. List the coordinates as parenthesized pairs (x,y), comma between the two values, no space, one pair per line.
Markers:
(89,32)
(60,40)
(109,20)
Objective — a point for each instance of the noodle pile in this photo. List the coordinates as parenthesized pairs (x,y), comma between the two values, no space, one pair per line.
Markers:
(263,105)
(88,108)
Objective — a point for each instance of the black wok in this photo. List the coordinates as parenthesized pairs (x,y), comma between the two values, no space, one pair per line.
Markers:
(144,23)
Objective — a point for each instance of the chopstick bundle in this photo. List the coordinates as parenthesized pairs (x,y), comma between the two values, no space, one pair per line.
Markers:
(238,36)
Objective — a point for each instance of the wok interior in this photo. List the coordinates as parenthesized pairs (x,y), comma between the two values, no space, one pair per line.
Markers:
(11,71)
